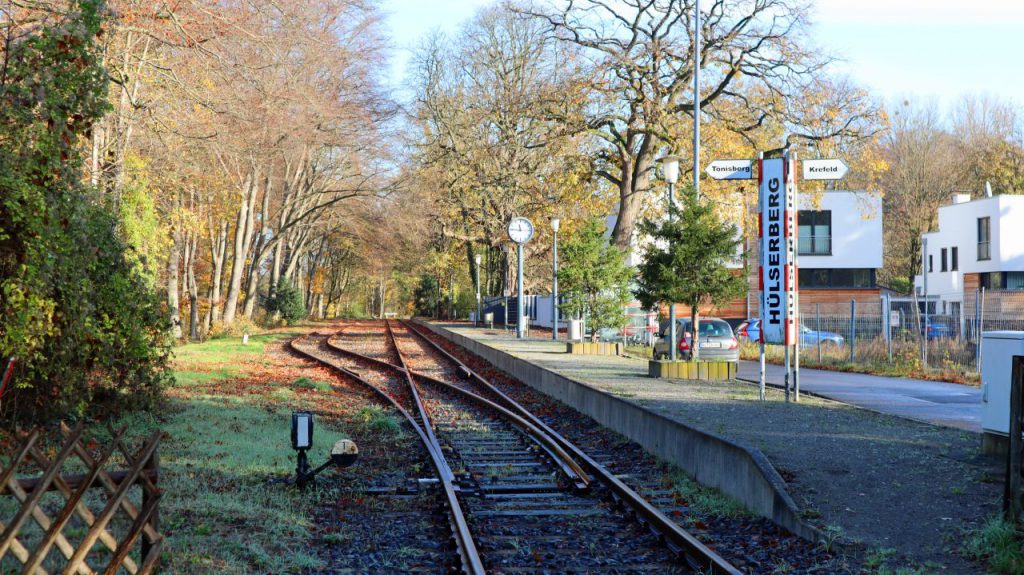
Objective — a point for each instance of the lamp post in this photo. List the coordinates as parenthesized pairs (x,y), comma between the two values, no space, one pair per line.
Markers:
(478,258)
(554,281)
(670,170)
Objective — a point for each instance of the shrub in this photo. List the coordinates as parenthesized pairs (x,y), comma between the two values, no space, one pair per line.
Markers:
(287,301)
(240,326)
(84,323)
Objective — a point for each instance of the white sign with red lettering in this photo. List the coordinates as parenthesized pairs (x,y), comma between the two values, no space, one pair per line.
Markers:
(778,216)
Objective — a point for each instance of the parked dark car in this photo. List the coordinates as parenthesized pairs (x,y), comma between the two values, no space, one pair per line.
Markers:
(717,341)
(751,331)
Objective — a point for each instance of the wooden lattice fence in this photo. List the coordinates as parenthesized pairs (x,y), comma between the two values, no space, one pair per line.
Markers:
(76,514)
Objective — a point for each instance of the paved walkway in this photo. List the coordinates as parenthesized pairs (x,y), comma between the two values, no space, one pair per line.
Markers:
(937,402)
(882,480)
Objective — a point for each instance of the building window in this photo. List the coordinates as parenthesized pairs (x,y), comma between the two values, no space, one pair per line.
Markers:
(815,278)
(837,278)
(954,264)
(984,239)
(992,280)
(943,261)
(1013,280)
(815,232)
(931,268)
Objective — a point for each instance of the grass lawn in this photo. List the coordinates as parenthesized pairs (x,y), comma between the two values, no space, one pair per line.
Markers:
(225,457)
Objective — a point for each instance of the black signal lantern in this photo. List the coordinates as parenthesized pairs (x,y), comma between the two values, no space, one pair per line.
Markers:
(343,454)
(302,430)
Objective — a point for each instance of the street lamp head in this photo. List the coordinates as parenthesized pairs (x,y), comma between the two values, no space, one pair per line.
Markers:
(554,224)
(479,259)
(670,168)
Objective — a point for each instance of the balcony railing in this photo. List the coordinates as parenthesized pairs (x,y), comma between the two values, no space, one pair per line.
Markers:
(984,251)
(815,246)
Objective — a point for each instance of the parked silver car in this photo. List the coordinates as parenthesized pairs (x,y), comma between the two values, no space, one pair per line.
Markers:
(717,341)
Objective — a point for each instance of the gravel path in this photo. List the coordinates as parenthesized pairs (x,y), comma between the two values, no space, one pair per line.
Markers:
(880,481)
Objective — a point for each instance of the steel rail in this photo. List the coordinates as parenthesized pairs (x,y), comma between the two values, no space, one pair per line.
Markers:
(696,554)
(424,416)
(468,552)
(572,469)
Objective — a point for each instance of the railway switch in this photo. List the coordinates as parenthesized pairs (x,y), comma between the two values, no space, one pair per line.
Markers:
(343,454)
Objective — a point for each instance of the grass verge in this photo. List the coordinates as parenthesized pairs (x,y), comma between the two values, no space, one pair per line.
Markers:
(872,359)
(225,459)
(998,544)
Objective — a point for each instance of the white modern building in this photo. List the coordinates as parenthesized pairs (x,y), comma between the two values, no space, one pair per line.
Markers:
(839,249)
(839,252)
(839,239)
(979,243)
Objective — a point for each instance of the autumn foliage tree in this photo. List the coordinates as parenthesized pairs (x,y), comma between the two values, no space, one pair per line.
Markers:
(82,320)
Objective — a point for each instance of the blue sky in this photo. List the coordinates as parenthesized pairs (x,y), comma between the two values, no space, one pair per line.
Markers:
(896,48)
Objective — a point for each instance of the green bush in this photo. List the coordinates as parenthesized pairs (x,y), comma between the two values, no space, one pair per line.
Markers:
(85,326)
(287,301)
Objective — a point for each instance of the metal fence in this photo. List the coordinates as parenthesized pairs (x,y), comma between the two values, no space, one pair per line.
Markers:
(897,330)
(890,330)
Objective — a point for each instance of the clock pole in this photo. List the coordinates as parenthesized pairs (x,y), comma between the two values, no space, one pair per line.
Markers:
(520,230)
(520,320)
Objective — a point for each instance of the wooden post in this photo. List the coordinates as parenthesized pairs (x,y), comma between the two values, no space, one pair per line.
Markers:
(153,465)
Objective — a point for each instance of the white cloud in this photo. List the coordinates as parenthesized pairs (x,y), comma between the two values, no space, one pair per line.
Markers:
(920,12)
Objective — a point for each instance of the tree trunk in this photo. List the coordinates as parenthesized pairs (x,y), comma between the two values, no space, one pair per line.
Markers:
(633,187)
(253,282)
(243,233)
(172,283)
(695,328)
(193,287)
(218,251)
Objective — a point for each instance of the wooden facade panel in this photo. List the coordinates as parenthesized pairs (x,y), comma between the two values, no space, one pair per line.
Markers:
(971,282)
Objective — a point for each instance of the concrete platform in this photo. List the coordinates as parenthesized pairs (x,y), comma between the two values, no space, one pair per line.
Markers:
(887,481)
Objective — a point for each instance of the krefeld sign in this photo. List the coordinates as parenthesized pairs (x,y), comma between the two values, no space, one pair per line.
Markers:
(824,169)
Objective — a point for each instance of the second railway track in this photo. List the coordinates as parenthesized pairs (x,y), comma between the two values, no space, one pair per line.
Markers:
(532,501)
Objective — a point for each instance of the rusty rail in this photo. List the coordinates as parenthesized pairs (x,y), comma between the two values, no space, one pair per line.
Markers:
(696,554)
(468,553)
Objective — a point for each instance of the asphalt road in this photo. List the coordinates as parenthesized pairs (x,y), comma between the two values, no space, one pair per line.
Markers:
(938,402)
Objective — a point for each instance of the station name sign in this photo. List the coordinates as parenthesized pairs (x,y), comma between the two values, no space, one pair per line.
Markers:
(777,233)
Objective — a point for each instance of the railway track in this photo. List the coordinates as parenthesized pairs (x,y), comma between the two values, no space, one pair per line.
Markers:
(529,500)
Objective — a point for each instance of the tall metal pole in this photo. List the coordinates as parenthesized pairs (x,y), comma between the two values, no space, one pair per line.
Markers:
(791,158)
(787,369)
(672,343)
(554,290)
(694,351)
(520,320)
(696,100)
(981,328)
(924,274)
(479,319)
(762,374)
(887,310)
